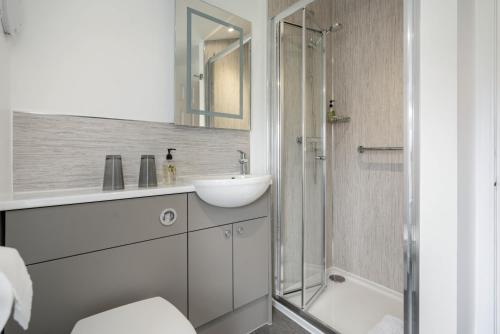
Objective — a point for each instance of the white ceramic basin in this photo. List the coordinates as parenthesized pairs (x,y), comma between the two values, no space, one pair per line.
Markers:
(231,191)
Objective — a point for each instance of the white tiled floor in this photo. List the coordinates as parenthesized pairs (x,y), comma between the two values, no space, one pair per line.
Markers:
(353,308)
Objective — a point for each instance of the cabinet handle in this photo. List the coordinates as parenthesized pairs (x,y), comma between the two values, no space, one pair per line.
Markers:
(168,217)
(241,230)
(227,234)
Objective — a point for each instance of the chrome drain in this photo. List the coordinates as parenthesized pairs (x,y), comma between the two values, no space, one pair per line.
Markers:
(337,278)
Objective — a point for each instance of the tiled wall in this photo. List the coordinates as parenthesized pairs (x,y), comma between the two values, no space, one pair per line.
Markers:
(368,188)
(61,152)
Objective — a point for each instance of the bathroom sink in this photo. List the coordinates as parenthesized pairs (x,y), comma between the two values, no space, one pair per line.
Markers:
(231,191)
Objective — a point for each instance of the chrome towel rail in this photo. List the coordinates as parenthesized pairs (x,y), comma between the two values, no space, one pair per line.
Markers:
(362,149)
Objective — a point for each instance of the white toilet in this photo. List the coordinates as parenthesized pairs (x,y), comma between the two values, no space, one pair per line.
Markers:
(149,316)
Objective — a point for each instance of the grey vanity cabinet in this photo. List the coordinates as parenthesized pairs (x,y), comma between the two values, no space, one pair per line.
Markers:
(87,258)
(210,274)
(250,257)
(43,234)
(228,268)
(211,263)
(72,288)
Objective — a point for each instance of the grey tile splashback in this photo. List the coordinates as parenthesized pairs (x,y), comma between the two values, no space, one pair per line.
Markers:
(60,152)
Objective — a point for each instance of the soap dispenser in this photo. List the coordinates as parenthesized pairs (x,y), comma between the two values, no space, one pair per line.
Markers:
(169,169)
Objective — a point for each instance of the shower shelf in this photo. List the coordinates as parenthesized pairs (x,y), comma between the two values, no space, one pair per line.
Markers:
(339,119)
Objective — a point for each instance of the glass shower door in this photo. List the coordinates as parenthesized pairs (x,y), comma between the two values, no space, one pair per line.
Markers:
(290,156)
(301,181)
(314,160)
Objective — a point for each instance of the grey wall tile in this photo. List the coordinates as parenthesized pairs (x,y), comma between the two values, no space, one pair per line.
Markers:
(368,188)
(60,152)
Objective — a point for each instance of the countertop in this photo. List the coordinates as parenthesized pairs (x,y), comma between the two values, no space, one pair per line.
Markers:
(27,200)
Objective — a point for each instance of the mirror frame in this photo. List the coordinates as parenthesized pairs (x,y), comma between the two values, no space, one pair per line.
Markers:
(189,73)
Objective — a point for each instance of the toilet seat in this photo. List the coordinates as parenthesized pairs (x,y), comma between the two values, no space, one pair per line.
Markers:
(150,316)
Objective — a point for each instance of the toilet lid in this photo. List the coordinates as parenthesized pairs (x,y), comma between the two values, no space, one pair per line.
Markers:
(150,316)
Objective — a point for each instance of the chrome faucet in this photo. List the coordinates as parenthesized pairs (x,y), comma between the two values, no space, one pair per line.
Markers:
(243,162)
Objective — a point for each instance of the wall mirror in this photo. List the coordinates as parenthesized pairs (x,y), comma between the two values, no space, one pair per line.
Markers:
(212,67)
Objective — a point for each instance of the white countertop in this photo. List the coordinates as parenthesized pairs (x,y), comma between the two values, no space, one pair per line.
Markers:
(26,200)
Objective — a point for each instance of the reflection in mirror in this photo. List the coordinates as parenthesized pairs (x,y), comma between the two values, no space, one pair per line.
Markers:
(212,68)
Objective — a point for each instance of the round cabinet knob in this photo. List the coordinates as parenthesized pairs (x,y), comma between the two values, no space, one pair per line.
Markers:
(227,234)
(168,217)
(241,230)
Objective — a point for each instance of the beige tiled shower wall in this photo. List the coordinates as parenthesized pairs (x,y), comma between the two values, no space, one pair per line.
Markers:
(368,188)
(62,152)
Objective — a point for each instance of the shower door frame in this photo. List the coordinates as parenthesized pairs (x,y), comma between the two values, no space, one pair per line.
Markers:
(411,158)
(411,165)
(274,54)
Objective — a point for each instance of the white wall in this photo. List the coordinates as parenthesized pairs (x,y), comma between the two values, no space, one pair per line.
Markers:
(476,220)
(5,116)
(485,92)
(110,58)
(115,59)
(438,167)
(466,166)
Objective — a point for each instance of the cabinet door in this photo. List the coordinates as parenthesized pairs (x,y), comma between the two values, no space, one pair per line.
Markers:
(73,288)
(210,274)
(251,260)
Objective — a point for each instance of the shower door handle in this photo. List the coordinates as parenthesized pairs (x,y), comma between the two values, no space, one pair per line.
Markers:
(321,157)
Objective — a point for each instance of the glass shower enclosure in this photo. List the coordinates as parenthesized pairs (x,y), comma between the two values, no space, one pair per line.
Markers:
(298,158)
